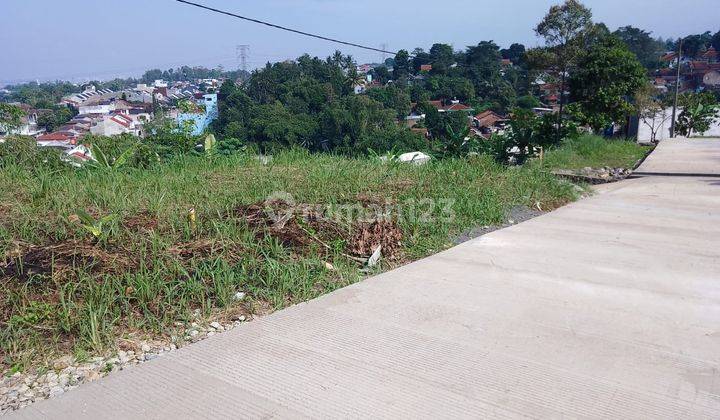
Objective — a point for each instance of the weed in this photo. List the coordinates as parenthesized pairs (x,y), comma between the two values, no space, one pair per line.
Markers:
(146,268)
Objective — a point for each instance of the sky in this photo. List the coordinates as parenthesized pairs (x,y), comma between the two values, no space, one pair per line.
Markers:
(82,40)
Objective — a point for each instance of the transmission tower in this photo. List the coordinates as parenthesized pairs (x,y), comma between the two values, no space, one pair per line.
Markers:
(242,55)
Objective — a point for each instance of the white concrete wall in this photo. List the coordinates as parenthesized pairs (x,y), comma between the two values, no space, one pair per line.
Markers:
(644,134)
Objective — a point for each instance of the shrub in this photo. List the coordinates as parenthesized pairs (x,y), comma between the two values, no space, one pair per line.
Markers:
(23,151)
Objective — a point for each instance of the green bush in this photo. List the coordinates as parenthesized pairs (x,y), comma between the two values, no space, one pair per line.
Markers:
(23,151)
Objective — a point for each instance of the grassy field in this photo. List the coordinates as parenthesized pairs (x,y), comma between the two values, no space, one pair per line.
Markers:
(595,152)
(89,257)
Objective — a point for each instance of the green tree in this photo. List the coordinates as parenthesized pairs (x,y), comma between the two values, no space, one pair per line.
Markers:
(606,78)
(695,45)
(699,111)
(420,57)
(392,97)
(274,126)
(516,53)
(640,43)
(54,117)
(441,58)
(715,41)
(381,74)
(563,28)
(10,117)
(401,70)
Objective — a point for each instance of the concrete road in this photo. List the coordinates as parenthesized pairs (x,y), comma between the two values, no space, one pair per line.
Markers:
(606,308)
(696,156)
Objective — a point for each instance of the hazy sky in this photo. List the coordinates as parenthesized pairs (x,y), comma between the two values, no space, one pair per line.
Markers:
(87,39)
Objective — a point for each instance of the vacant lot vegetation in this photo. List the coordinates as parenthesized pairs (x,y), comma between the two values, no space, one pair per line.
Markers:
(594,152)
(91,255)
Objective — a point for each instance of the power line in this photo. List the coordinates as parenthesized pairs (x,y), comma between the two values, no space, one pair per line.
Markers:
(272,25)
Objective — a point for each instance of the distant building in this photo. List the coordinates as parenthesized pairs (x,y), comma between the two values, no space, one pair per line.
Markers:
(711,55)
(364,68)
(77,99)
(116,124)
(200,121)
(28,123)
(489,122)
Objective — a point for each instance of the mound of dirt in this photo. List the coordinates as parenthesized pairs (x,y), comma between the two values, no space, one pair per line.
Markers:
(298,227)
(304,226)
(59,258)
(367,236)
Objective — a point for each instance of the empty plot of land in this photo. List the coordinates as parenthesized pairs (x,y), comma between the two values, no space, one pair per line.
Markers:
(606,308)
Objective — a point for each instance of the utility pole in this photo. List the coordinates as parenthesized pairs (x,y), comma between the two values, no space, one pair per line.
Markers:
(677,89)
(241,52)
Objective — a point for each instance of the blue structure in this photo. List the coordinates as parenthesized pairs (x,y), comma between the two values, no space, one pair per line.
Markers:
(201,121)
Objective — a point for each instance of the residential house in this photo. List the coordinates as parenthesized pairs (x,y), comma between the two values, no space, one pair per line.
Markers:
(102,107)
(489,122)
(711,55)
(140,94)
(115,124)
(199,121)
(364,68)
(56,140)
(90,92)
(450,106)
(28,121)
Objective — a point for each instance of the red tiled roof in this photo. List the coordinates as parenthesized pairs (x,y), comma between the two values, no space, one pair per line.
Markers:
(53,137)
(124,117)
(450,107)
(489,118)
(506,62)
(119,121)
(456,107)
(710,53)
(425,67)
(701,66)
(668,56)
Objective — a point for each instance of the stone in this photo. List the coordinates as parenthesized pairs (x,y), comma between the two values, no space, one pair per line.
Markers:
(216,325)
(55,391)
(92,376)
(416,158)
(63,362)
(239,296)
(63,379)
(145,348)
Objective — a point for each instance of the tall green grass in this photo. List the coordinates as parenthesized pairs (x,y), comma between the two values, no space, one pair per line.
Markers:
(87,310)
(595,152)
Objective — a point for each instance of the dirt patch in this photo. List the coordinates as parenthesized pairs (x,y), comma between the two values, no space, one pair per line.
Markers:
(368,236)
(298,226)
(142,222)
(25,260)
(302,227)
